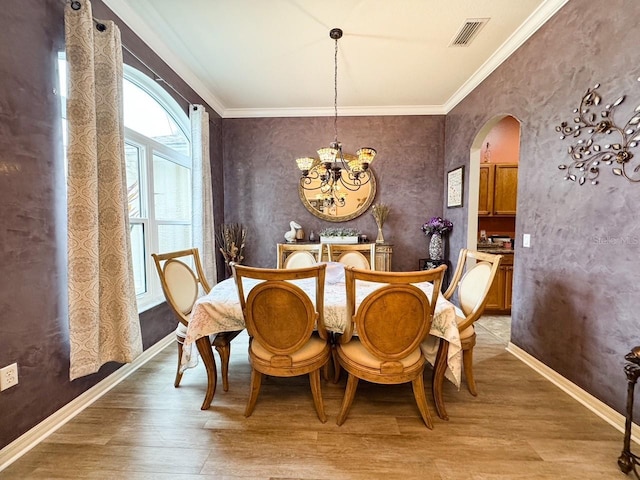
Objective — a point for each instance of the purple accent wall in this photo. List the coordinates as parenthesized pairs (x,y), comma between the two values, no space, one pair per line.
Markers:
(33,311)
(261,178)
(575,290)
(575,294)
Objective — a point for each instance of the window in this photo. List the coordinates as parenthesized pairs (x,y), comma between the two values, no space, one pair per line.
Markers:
(158,162)
(159,184)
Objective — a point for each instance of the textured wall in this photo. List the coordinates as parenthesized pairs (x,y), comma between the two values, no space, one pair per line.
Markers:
(261,178)
(575,290)
(33,312)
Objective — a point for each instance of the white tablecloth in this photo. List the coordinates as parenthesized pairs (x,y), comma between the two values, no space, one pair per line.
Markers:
(220,311)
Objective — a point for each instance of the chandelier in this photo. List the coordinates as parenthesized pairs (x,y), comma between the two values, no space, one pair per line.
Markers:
(336,173)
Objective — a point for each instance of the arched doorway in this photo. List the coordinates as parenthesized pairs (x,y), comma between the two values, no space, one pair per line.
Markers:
(493,183)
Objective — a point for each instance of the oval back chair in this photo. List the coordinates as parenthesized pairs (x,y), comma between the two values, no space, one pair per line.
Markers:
(286,330)
(390,322)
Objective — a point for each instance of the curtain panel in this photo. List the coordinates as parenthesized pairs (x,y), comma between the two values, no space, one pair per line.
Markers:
(203,224)
(103,318)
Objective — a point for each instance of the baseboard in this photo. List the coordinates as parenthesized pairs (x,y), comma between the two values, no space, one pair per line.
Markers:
(30,439)
(601,409)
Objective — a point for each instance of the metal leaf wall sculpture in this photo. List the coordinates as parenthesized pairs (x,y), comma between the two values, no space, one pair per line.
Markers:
(602,142)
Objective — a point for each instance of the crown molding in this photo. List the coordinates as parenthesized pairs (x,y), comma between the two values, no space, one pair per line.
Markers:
(379,111)
(142,29)
(531,25)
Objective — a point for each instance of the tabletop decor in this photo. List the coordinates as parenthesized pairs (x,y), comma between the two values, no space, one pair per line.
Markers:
(339,235)
(230,238)
(380,213)
(588,153)
(292,235)
(437,227)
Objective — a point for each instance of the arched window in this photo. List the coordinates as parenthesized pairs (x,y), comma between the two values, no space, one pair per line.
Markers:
(159,181)
(158,162)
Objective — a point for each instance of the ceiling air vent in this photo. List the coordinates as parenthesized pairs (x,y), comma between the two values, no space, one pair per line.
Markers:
(468,32)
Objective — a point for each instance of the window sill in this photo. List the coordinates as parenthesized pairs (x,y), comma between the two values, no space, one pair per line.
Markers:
(148,304)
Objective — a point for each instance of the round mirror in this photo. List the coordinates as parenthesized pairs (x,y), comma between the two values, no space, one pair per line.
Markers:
(325,205)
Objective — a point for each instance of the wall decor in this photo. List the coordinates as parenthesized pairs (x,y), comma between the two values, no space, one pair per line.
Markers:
(455,187)
(600,140)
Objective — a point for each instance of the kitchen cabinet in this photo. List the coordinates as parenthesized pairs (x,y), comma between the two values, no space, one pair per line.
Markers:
(498,189)
(499,296)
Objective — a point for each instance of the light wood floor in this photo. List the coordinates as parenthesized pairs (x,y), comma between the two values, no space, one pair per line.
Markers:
(519,427)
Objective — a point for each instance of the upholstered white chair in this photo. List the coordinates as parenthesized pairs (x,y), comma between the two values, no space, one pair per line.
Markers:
(474,275)
(183,281)
(358,255)
(298,255)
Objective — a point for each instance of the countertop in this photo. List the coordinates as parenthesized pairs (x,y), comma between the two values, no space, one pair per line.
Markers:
(496,249)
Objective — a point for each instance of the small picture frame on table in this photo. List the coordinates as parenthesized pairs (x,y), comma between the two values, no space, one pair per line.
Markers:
(455,187)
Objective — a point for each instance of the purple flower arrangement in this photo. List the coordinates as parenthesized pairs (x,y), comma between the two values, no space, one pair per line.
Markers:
(437,225)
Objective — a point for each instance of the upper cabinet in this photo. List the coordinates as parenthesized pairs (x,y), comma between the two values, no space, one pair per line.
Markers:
(498,189)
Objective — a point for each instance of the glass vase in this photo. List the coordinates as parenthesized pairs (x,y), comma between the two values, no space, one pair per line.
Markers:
(436,250)
(379,238)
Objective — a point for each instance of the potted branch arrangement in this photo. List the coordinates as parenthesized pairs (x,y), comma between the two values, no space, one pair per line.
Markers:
(380,213)
(230,238)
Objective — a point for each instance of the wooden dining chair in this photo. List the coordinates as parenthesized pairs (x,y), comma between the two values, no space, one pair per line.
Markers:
(183,281)
(473,277)
(390,322)
(286,330)
(298,255)
(359,255)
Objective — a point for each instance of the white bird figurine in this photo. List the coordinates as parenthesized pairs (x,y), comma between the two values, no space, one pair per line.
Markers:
(290,236)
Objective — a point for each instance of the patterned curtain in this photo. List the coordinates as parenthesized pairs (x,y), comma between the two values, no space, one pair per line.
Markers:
(203,226)
(103,319)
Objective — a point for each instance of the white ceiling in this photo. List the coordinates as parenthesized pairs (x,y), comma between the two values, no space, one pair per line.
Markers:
(260,58)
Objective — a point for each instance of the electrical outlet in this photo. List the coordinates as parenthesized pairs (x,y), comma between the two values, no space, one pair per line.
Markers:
(526,240)
(8,376)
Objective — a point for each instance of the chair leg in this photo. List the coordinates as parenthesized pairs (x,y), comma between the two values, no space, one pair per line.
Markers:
(176,382)
(467,362)
(225,352)
(349,394)
(439,369)
(256,380)
(336,364)
(421,400)
(314,379)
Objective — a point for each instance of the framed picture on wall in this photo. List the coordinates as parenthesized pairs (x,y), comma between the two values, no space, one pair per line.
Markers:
(455,187)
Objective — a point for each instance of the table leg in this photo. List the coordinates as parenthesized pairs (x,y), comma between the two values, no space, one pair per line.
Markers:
(439,369)
(206,352)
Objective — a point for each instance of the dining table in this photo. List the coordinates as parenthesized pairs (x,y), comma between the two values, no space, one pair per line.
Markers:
(220,311)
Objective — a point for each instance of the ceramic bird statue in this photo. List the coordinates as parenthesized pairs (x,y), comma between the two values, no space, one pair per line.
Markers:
(290,236)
